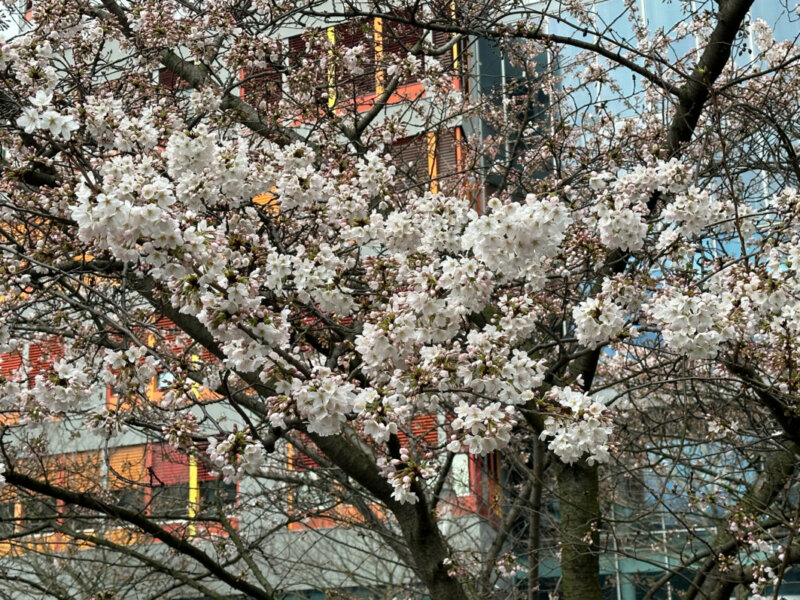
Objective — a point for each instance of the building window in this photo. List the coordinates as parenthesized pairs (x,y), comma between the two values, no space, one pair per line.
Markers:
(169,483)
(397,39)
(311,498)
(10,362)
(181,486)
(170,80)
(130,498)
(382,42)
(262,88)
(80,472)
(164,379)
(212,494)
(38,512)
(170,501)
(357,33)
(127,476)
(459,475)
(7,518)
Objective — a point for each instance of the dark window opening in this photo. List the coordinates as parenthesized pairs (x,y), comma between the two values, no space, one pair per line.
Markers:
(214,494)
(262,86)
(349,35)
(130,498)
(7,521)
(170,80)
(170,501)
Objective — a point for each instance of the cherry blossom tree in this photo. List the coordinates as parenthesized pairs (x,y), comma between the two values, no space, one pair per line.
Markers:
(600,294)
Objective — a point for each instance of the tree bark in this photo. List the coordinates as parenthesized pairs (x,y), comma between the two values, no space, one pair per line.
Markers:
(580,517)
(535,527)
(427,548)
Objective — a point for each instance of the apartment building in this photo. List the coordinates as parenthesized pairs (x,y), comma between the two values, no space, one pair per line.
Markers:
(169,480)
(301,512)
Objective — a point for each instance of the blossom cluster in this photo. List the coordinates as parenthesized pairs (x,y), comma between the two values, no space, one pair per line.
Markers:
(236,456)
(39,117)
(181,430)
(691,323)
(597,321)
(694,210)
(763,576)
(325,401)
(482,430)
(401,473)
(112,128)
(583,430)
(517,239)
(69,385)
(377,413)
(106,423)
(621,209)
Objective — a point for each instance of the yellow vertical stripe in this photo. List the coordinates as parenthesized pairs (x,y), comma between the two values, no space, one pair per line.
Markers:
(331,69)
(377,38)
(152,387)
(194,493)
(455,46)
(196,386)
(459,150)
(19,514)
(433,166)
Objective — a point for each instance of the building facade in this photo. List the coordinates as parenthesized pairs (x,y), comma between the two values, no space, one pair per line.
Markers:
(302,526)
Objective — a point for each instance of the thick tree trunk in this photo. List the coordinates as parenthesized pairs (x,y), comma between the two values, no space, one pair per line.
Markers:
(580,517)
(427,550)
(535,528)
